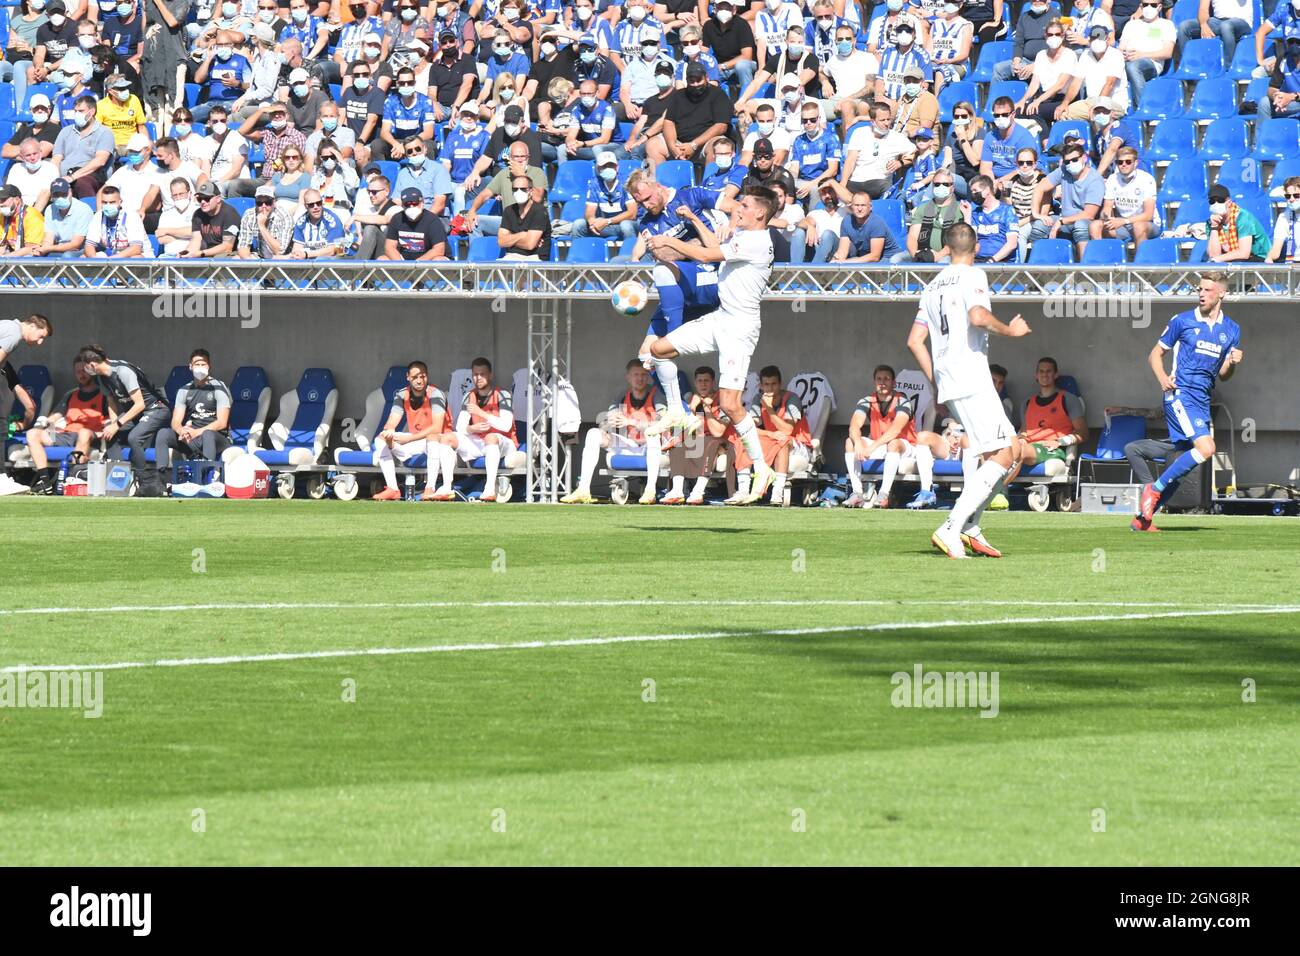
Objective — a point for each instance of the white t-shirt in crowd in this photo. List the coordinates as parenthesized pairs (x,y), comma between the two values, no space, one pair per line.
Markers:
(875,152)
(1129,197)
(31,185)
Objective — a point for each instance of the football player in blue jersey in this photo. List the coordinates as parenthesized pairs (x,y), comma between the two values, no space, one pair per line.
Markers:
(1206,346)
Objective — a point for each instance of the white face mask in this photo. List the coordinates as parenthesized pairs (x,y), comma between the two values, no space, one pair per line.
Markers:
(636,14)
(584,14)
(1027,176)
(406,90)
(216,128)
(942,192)
(521,196)
(512,130)
(904,37)
(1054,43)
(1218,208)
(691,50)
(792,96)
(960,123)
(57,20)
(1098,48)
(663,82)
(468,125)
(588,101)
(1002,122)
(1074,168)
(548,50)
(181,204)
(1149,13)
(723,162)
(200,372)
(723,16)
(413,212)
(766,128)
(1101,120)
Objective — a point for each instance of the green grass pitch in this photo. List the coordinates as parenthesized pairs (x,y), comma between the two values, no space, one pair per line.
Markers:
(1122,736)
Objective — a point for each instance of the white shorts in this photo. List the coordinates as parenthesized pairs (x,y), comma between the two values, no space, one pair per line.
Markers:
(909,450)
(620,444)
(734,338)
(470,446)
(984,420)
(401,452)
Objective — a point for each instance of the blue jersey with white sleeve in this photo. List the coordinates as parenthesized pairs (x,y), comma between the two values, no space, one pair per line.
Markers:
(1200,349)
(699,200)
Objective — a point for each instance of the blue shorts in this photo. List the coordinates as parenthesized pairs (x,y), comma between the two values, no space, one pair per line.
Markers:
(1187,416)
(699,284)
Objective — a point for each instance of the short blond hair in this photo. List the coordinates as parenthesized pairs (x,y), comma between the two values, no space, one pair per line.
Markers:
(639,178)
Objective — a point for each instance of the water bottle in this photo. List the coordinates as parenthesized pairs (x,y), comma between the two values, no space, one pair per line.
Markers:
(410,487)
(63,477)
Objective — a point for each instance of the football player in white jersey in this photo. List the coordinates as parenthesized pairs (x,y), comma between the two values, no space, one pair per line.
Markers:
(954,314)
(733,330)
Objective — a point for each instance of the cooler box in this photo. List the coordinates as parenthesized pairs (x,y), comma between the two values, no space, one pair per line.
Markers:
(1099,499)
(120,481)
(247,477)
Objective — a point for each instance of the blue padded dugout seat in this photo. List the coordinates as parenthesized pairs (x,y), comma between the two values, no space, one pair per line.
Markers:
(379,404)
(300,431)
(250,401)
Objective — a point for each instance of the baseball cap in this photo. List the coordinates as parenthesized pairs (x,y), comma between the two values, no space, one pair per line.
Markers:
(471,107)
(763,147)
(410,195)
(587,40)
(663,68)
(55,6)
(789,82)
(696,71)
(606,158)
(9,191)
(264,191)
(138,142)
(299,75)
(417,45)
(117,82)
(60,187)
(263,33)
(1105,103)
(913,73)
(1218,193)
(38,99)
(207,190)
(446,35)
(923,133)
(514,114)
(1098,32)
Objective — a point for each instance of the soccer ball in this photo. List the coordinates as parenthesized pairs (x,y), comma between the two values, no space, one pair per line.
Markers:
(630,297)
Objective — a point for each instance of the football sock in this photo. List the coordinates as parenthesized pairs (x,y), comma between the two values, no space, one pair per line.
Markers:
(448,455)
(925,465)
(1181,465)
(384,458)
(666,369)
(970,463)
(652,461)
(435,461)
(701,484)
(672,300)
(590,456)
(778,486)
(742,483)
(748,433)
(855,471)
(491,459)
(892,458)
(976,494)
(679,485)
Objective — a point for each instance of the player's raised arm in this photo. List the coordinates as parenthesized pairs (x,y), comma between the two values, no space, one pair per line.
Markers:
(982,318)
(916,344)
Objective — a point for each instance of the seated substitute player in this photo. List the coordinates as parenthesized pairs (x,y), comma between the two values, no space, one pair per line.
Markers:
(1053,421)
(1206,345)
(697,457)
(485,426)
(427,421)
(782,433)
(77,421)
(733,330)
(891,435)
(200,424)
(954,314)
(140,412)
(623,433)
(685,286)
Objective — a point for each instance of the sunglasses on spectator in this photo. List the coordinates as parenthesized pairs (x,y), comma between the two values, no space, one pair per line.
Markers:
(1126,162)
(292,156)
(314,205)
(413,205)
(1024,162)
(961,116)
(264,201)
(1002,114)
(1293,195)
(376,190)
(1055,34)
(361,73)
(810,121)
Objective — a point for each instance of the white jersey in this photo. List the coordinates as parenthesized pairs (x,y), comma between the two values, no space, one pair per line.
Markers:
(746,265)
(960,351)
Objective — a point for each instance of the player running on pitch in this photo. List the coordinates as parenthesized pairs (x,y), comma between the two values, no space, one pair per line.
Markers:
(1206,350)
(732,331)
(954,313)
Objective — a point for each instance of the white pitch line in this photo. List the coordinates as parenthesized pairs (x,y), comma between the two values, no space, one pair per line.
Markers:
(452,605)
(642,639)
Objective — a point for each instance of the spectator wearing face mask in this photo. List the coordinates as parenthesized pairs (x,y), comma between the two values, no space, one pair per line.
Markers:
(852,74)
(591,65)
(67,220)
(819,31)
(525,231)
(593,127)
(17,62)
(121,111)
(1024,185)
(513,22)
(123,31)
(895,63)
(499,187)
(334,177)
(1235,235)
(817,235)
(176,224)
(693,51)
(899,15)
(874,155)
(83,150)
(362,110)
(364,22)
(930,218)
(264,75)
(610,211)
(1286,231)
(423,173)
(1099,74)
(1129,211)
(407,115)
(515,129)
(194,147)
(766,127)
(505,93)
(1050,76)
(792,58)
(636,26)
(556,118)
(329,127)
(308,30)
(229,150)
(216,225)
(415,234)
(224,76)
(815,154)
(22,228)
(115,232)
(1003,144)
(638,83)
(406,24)
(994,222)
(949,44)
(650,124)
(1087,16)
(1082,194)
(42,128)
(461,151)
(1283,97)
(135,179)
(917,108)
(1147,44)
(54,38)
(304,102)
(32,175)
(1109,133)
(452,75)
(695,115)
(1028,40)
(507,60)
(731,41)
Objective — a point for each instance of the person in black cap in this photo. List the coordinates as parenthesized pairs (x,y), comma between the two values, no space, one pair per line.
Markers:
(695,115)
(216,225)
(416,235)
(650,125)
(452,76)
(513,129)
(1235,235)
(763,170)
(54,38)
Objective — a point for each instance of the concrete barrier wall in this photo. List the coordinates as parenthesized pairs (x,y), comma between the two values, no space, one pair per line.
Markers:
(360,337)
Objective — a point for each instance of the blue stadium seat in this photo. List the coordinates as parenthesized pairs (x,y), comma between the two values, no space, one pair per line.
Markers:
(675,174)
(1185,179)
(1012,88)
(390,170)
(954,93)
(1056,135)
(1211,100)
(895,216)
(1157,252)
(1243,61)
(1281,173)
(573,210)
(178,379)
(1202,60)
(1256,89)
(299,433)
(1162,99)
(250,400)
(1103,252)
(192,91)
(51,90)
(1051,252)
(484,248)
(1192,211)
(1242,178)
(1184,10)
(7,106)
(1173,139)
(571,180)
(588,249)
(1225,139)
(1199,252)
(626,167)
(1118,432)
(36,381)
(1276,139)
(990,55)
(1259,206)
(241,204)
(625,251)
